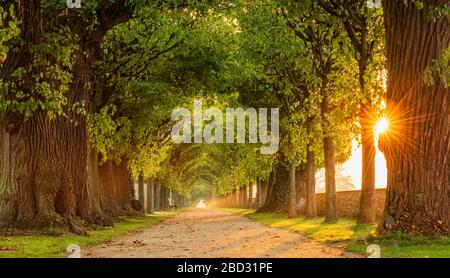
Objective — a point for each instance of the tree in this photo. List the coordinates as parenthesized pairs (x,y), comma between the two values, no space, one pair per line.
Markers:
(320,34)
(34,190)
(60,50)
(417,145)
(362,25)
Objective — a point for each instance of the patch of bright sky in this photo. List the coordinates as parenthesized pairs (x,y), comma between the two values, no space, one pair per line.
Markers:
(353,167)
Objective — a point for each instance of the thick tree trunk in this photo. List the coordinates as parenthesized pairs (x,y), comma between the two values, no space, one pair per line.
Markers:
(331,215)
(277,191)
(292,201)
(32,190)
(109,197)
(62,179)
(264,191)
(417,143)
(33,182)
(150,208)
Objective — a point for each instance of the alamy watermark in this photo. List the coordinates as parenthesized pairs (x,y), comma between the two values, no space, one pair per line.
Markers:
(73,4)
(208,126)
(373,4)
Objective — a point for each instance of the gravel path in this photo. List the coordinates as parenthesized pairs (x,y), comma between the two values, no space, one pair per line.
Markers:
(209,233)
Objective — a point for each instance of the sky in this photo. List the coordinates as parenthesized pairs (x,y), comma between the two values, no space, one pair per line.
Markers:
(353,167)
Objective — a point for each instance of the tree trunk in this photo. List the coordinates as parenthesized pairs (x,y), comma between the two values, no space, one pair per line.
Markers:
(366,212)
(167,198)
(277,191)
(109,197)
(150,208)
(175,198)
(258,194)
(264,191)
(141,191)
(310,207)
(157,195)
(33,183)
(292,201)
(236,198)
(250,195)
(417,143)
(300,188)
(162,196)
(240,198)
(115,188)
(331,215)
(245,196)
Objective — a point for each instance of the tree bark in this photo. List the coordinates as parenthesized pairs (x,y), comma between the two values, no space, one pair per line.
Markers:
(310,207)
(141,191)
(417,143)
(109,199)
(300,188)
(250,195)
(167,198)
(258,194)
(240,198)
(245,196)
(157,195)
(162,200)
(264,191)
(150,208)
(33,188)
(115,188)
(236,198)
(175,198)
(292,202)
(277,191)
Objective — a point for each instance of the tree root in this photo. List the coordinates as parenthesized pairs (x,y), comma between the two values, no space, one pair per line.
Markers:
(75,227)
(54,220)
(101,220)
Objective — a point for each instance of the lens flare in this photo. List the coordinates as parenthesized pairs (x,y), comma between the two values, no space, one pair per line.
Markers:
(381,126)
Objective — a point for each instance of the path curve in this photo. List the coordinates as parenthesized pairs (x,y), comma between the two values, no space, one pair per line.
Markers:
(208,233)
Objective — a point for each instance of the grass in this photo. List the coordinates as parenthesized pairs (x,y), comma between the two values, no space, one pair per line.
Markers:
(356,237)
(52,244)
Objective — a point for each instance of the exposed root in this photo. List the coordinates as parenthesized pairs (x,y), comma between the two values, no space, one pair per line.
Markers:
(48,220)
(76,227)
(101,220)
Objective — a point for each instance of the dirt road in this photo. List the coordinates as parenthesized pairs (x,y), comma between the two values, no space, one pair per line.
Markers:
(212,233)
